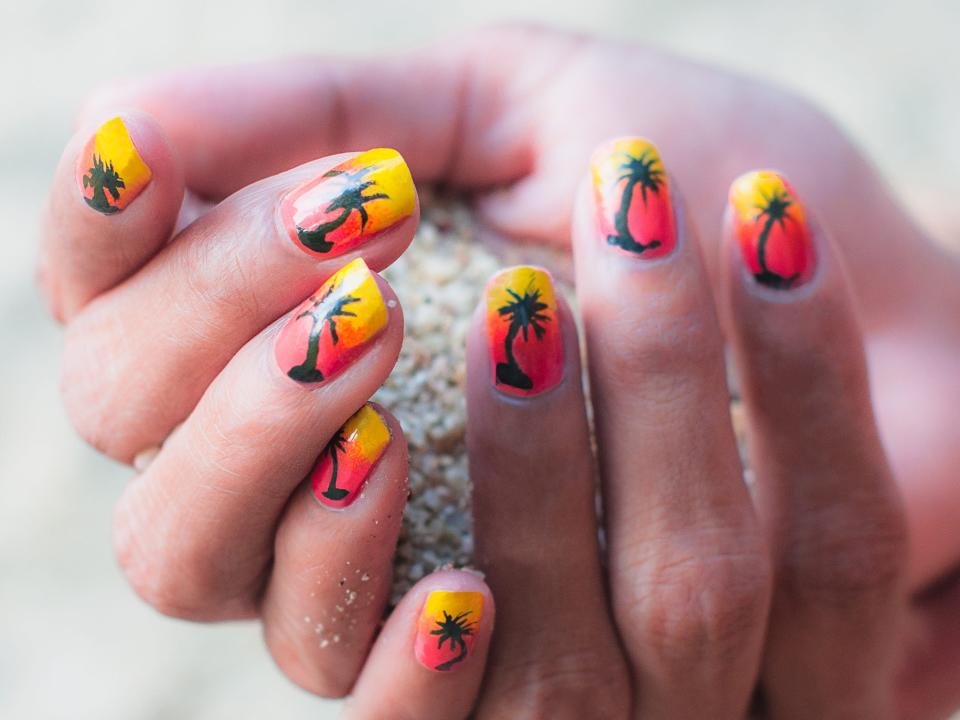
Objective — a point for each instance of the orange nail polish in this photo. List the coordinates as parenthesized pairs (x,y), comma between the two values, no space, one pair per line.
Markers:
(771,228)
(447,628)
(523,331)
(110,171)
(342,469)
(350,203)
(328,331)
(631,190)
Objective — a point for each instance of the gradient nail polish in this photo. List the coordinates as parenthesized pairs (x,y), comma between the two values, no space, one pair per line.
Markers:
(110,171)
(632,198)
(447,628)
(523,331)
(342,469)
(328,331)
(769,224)
(349,204)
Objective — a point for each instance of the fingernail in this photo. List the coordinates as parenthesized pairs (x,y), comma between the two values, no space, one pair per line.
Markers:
(110,171)
(523,331)
(770,226)
(342,469)
(328,331)
(448,628)
(348,205)
(631,189)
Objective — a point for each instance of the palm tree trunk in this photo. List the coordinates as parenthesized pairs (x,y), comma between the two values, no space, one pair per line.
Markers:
(623,212)
(307,370)
(453,661)
(316,239)
(762,245)
(508,344)
(510,373)
(332,491)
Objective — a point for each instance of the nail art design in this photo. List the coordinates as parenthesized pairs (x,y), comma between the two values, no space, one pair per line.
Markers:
(331,328)
(110,171)
(769,224)
(447,628)
(632,198)
(343,467)
(523,332)
(350,203)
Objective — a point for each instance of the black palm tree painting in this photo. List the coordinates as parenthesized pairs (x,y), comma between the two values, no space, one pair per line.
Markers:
(103,178)
(351,199)
(337,445)
(521,312)
(637,171)
(324,313)
(773,211)
(454,630)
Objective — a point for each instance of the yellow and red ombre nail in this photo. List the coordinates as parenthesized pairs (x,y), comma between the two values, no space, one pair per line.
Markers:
(771,229)
(328,331)
(110,171)
(631,190)
(349,204)
(523,331)
(447,628)
(342,469)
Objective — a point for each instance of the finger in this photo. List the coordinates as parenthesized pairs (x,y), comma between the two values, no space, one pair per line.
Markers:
(532,473)
(462,120)
(688,569)
(823,484)
(194,533)
(332,567)
(113,204)
(173,326)
(428,661)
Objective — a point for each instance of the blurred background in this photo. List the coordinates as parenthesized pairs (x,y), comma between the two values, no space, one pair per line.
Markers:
(74,640)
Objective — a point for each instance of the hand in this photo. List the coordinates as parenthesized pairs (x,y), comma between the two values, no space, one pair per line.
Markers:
(525,117)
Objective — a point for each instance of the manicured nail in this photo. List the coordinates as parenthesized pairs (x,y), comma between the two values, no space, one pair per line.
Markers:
(342,469)
(110,171)
(523,331)
(448,628)
(349,204)
(332,328)
(632,198)
(769,223)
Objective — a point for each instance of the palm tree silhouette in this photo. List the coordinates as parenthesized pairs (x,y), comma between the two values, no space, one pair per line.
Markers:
(350,199)
(774,208)
(522,312)
(336,446)
(307,370)
(103,179)
(636,171)
(453,629)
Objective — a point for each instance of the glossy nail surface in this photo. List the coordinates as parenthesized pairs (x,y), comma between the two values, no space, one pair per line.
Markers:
(350,203)
(342,469)
(110,171)
(447,628)
(328,331)
(523,331)
(771,229)
(631,190)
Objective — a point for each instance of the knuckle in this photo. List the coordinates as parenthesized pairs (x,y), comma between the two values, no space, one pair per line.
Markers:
(668,348)
(177,578)
(699,600)
(847,558)
(86,387)
(573,684)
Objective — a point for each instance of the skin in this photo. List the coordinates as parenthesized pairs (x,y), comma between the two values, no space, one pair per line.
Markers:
(693,564)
